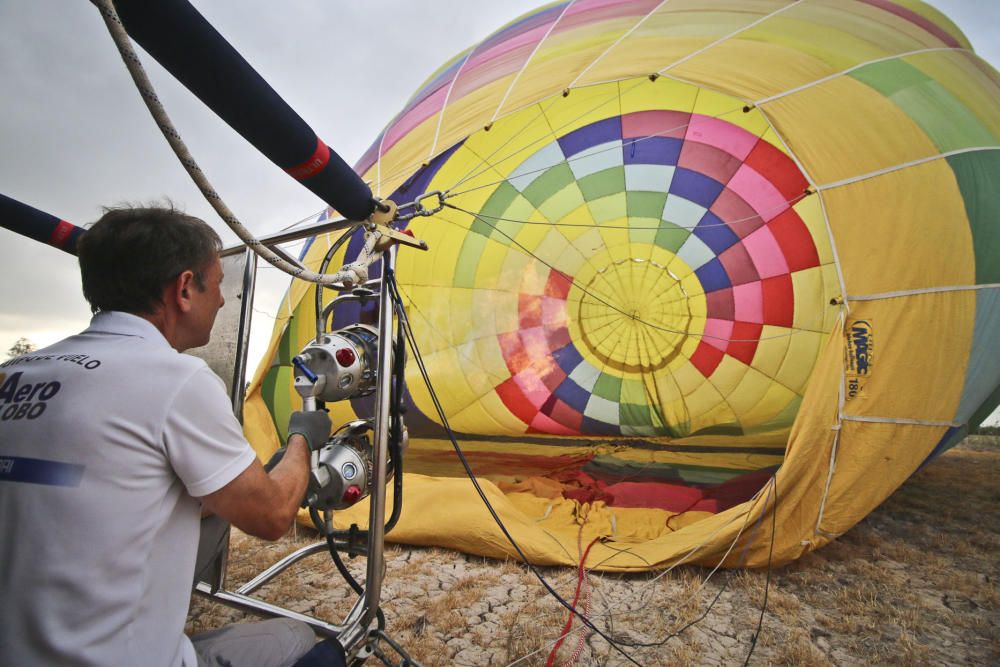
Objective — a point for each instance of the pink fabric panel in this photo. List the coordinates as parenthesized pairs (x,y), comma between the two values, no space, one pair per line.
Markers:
(543,424)
(533,388)
(749,302)
(655,123)
(414,117)
(757,191)
(725,136)
(766,254)
(717,333)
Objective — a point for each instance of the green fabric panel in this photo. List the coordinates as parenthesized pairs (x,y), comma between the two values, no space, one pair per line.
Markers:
(645,204)
(285,352)
(939,113)
(276,392)
(495,207)
(671,237)
(978,176)
(468,260)
(982,375)
(609,387)
(646,232)
(549,183)
(631,414)
(603,183)
(518,210)
(558,207)
(611,207)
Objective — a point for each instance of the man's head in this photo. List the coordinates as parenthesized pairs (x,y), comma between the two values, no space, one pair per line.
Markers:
(154,261)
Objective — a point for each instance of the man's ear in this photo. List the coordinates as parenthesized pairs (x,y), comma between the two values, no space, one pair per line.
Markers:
(182,289)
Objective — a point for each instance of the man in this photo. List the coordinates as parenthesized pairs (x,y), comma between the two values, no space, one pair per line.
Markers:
(112,446)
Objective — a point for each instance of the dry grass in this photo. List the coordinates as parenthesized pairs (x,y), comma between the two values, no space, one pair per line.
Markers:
(912,584)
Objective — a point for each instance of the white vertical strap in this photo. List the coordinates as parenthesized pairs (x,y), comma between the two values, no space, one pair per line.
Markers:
(729,36)
(444,106)
(616,43)
(822,206)
(528,61)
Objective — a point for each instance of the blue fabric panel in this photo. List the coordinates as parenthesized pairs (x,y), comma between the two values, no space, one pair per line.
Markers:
(652,150)
(603,131)
(572,395)
(595,427)
(716,234)
(695,187)
(983,374)
(568,358)
(713,276)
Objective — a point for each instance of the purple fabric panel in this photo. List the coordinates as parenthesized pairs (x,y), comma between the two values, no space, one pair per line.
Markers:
(653,150)
(715,233)
(695,187)
(603,131)
(713,277)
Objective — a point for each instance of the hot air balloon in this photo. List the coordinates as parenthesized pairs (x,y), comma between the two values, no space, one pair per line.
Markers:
(691,264)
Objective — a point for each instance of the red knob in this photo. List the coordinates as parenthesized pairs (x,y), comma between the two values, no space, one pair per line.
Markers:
(352,494)
(345,356)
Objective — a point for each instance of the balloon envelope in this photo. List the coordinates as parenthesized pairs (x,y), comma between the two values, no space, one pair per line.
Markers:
(698,262)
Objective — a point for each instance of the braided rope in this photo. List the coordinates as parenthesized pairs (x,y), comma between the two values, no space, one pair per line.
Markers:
(351,274)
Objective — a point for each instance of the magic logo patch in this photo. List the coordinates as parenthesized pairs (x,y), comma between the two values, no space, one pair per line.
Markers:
(860,357)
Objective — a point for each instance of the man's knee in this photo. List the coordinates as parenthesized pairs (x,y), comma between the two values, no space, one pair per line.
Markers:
(278,642)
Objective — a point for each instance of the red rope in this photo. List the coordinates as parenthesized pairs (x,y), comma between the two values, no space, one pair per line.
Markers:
(581,574)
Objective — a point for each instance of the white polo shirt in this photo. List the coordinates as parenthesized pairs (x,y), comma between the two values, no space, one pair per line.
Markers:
(106,440)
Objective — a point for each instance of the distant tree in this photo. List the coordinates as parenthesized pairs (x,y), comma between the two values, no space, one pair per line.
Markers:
(22,346)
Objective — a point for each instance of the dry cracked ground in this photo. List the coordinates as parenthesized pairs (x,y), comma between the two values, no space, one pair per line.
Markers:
(915,583)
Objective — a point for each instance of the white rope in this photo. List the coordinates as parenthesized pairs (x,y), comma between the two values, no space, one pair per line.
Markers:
(346,275)
(817,82)
(899,420)
(444,105)
(528,61)
(616,43)
(904,165)
(727,37)
(924,290)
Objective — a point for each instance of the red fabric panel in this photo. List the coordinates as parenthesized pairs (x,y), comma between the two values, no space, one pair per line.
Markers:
(796,243)
(739,349)
(779,169)
(706,358)
(779,300)
(515,401)
(670,497)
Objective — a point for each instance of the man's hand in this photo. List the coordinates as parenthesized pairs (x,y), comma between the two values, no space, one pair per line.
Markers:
(314,426)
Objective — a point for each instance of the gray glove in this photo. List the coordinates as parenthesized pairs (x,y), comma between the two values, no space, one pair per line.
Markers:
(313,426)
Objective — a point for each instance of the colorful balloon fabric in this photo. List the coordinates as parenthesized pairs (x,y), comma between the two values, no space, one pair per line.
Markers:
(697,262)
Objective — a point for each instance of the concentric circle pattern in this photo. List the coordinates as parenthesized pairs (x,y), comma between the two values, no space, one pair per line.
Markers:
(652,259)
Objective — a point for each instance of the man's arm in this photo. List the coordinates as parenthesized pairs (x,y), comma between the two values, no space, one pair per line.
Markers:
(264,504)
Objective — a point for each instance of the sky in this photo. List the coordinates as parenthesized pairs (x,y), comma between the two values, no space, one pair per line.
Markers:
(75,136)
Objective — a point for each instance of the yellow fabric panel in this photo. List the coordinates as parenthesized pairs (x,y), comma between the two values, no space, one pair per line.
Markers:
(751,70)
(811,211)
(752,388)
(487,411)
(919,341)
(827,125)
(872,461)
(813,294)
(797,367)
(772,348)
(664,93)
(775,399)
(729,374)
(877,254)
